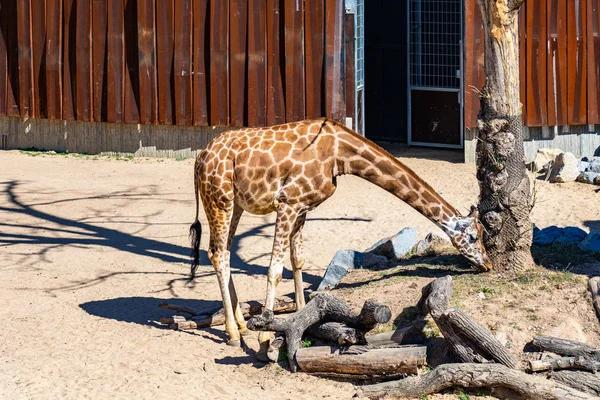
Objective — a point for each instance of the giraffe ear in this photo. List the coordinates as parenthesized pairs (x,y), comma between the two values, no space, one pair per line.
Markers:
(474,212)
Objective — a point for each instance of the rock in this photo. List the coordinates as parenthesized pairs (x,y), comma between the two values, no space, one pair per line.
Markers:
(583,166)
(431,244)
(342,262)
(395,246)
(547,235)
(588,177)
(564,169)
(543,157)
(345,260)
(595,165)
(571,235)
(591,242)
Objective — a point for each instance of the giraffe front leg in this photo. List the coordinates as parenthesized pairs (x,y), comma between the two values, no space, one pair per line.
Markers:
(297,258)
(220,261)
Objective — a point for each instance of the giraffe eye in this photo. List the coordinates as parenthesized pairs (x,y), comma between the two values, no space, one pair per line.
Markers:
(473,237)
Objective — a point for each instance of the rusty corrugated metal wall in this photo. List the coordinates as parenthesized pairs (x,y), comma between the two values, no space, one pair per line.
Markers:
(184,62)
(559,60)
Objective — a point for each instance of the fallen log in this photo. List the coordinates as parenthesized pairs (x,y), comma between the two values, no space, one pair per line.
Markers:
(594,287)
(378,362)
(580,363)
(408,334)
(323,307)
(583,381)
(566,347)
(337,332)
(473,375)
(283,304)
(470,341)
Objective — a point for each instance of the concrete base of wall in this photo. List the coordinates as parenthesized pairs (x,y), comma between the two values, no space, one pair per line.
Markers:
(582,141)
(100,137)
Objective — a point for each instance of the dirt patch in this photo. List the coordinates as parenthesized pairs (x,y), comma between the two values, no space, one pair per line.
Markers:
(91,246)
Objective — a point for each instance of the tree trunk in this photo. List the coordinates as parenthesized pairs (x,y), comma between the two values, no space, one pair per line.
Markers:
(505,197)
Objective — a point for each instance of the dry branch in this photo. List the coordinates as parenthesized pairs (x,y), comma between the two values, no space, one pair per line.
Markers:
(581,363)
(408,334)
(371,362)
(323,307)
(470,341)
(565,347)
(475,376)
(594,287)
(583,381)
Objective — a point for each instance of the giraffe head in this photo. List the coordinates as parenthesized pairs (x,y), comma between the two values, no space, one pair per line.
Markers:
(467,236)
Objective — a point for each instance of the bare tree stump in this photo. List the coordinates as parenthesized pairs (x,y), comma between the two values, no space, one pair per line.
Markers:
(583,381)
(581,363)
(594,287)
(470,341)
(566,347)
(323,307)
(355,365)
(475,376)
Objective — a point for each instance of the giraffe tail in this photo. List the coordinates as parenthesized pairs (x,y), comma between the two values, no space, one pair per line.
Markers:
(196,228)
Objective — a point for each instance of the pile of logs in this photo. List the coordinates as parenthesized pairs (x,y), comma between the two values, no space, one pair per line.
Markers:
(468,356)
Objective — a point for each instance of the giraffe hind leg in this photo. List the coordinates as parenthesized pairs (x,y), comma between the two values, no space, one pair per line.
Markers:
(297,259)
(237,311)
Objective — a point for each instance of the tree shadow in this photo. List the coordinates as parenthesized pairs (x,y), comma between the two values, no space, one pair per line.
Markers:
(86,234)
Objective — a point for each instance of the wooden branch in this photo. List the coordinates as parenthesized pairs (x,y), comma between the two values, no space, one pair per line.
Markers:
(474,376)
(283,304)
(594,287)
(408,334)
(322,307)
(186,310)
(337,332)
(470,341)
(565,347)
(379,362)
(581,363)
(583,381)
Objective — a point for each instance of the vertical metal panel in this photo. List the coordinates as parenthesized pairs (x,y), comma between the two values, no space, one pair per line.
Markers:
(257,63)
(593,61)
(537,113)
(3,61)
(148,95)
(349,34)
(115,61)
(25,58)
(38,40)
(523,61)
(164,53)
(294,59)
(99,21)
(12,44)
(83,60)
(557,62)
(238,17)
(315,61)
(68,59)
(182,64)
(219,63)
(473,62)
(275,75)
(131,69)
(201,52)
(335,74)
(577,66)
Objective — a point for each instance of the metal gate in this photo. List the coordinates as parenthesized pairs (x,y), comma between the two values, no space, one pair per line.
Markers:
(434,33)
(357,9)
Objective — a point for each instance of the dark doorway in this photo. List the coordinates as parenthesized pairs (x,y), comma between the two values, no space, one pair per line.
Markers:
(386,70)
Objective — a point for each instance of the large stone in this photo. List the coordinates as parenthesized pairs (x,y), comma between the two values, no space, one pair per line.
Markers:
(396,246)
(564,169)
(344,261)
(588,177)
(543,157)
(595,165)
(591,242)
(571,235)
(583,166)
(431,244)
(547,235)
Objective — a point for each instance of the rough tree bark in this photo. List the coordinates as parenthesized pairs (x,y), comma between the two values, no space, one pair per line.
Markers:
(505,197)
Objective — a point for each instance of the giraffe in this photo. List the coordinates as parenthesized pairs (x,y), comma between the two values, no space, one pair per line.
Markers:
(290,169)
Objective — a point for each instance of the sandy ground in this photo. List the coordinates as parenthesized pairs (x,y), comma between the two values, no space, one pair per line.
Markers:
(90,246)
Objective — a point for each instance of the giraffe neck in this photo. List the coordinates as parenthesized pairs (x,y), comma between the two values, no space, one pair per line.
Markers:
(357,156)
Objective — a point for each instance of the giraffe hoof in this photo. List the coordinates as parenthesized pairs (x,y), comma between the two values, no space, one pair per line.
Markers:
(262,353)
(235,343)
